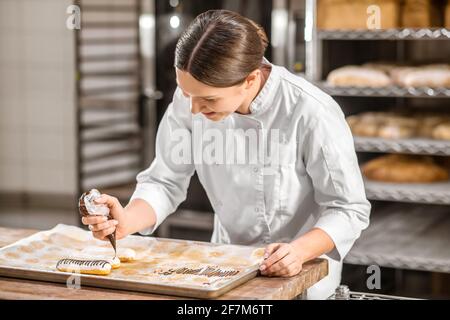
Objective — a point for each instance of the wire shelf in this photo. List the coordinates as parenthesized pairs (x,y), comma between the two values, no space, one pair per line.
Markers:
(431,193)
(370,296)
(388,34)
(405,237)
(391,91)
(408,146)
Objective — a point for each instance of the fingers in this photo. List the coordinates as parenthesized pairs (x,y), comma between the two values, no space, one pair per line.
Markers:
(289,266)
(103,225)
(280,253)
(281,261)
(93,220)
(103,233)
(110,201)
(271,248)
(100,226)
(291,270)
(281,266)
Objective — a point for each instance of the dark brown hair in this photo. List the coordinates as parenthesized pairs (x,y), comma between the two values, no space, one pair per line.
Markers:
(221,48)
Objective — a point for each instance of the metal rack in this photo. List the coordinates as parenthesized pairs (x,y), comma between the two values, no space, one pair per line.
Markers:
(343,292)
(407,146)
(433,193)
(389,34)
(391,91)
(109,94)
(406,237)
(401,235)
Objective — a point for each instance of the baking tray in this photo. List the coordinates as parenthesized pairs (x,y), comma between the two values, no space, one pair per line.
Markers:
(35,258)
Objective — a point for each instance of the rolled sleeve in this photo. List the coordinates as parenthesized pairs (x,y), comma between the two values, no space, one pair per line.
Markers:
(164,184)
(156,198)
(332,164)
(341,230)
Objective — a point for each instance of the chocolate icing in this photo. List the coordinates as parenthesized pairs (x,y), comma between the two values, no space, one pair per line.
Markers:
(84,263)
(84,213)
(209,272)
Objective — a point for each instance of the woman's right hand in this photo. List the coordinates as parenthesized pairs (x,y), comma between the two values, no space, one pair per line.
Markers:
(100,226)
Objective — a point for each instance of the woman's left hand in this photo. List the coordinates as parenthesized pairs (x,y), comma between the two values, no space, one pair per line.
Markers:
(281,260)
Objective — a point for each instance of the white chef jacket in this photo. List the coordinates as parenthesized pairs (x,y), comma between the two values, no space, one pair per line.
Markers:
(316,183)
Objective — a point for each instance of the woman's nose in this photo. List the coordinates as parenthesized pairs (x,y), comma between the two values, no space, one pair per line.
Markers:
(195,106)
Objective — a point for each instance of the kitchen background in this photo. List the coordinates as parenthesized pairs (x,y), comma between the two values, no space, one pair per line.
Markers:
(79,109)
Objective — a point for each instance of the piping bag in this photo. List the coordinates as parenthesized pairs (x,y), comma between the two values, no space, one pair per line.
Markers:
(87,207)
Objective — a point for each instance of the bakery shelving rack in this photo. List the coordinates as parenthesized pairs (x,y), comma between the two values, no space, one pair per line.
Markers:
(410,223)
(433,193)
(116,94)
(388,34)
(109,83)
(406,146)
(406,237)
(391,91)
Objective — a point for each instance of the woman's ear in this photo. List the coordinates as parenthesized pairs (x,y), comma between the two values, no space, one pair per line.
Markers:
(251,78)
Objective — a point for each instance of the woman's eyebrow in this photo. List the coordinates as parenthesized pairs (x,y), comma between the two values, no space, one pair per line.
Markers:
(204,97)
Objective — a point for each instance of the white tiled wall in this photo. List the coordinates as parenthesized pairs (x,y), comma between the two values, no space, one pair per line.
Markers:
(37,97)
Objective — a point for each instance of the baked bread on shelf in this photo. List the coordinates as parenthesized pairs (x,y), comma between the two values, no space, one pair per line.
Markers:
(433,76)
(382,74)
(395,131)
(391,125)
(405,169)
(442,131)
(358,76)
(429,124)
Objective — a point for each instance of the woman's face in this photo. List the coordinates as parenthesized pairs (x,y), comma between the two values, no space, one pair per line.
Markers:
(214,103)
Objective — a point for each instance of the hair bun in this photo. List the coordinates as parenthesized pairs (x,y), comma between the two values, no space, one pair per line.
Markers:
(261,33)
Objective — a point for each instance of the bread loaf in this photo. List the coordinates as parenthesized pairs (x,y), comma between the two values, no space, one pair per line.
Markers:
(356,76)
(405,169)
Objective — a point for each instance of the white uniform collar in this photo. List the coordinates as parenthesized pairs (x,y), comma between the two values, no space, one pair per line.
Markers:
(262,100)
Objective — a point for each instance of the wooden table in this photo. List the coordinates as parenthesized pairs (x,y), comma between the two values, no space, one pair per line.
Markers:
(255,289)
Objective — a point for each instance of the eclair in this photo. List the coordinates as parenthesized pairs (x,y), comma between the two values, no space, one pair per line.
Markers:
(93,267)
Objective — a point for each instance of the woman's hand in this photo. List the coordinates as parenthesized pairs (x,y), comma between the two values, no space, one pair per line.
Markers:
(101,226)
(281,260)
(286,259)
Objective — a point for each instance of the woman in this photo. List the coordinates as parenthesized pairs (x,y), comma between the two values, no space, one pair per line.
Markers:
(303,201)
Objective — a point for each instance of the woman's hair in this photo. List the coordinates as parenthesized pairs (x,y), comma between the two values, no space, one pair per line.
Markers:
(221,48)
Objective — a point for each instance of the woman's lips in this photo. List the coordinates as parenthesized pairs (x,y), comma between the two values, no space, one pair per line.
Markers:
(209,114)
